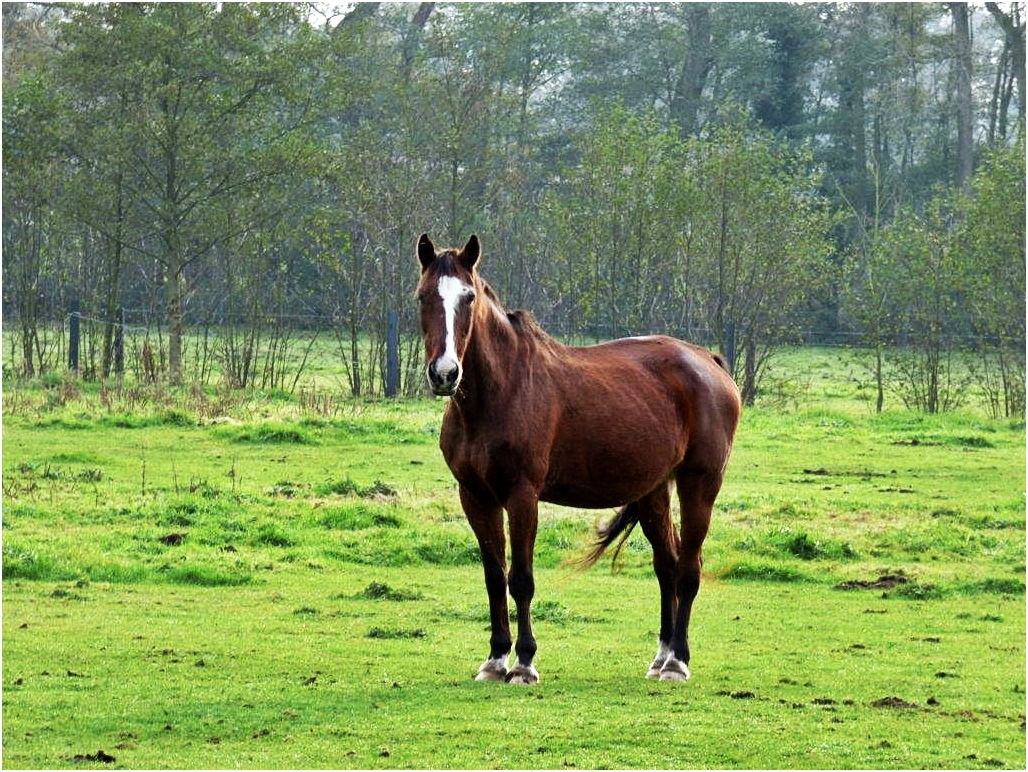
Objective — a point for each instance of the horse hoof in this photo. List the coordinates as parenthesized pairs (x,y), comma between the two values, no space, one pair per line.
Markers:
(674,670)
(673,675)
(523,675)
(657,667)
(492,670)
(490,675)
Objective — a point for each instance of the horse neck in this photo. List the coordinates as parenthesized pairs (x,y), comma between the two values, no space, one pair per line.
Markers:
(489,366)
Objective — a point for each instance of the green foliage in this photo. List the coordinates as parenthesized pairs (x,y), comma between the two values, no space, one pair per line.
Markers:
(347,486)
(271,435)
(205,576)
(380,591)
(762,572)
(693,169)
(786,541)
(358,516)
(721,237)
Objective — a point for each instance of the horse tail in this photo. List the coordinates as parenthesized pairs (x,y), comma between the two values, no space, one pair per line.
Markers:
(621,525)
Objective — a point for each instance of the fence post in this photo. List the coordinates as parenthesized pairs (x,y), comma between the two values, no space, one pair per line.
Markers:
(73,336)
(730,346)
(393,354)
(119,342)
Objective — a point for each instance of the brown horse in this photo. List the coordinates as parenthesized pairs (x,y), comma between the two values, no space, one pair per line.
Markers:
(611,425)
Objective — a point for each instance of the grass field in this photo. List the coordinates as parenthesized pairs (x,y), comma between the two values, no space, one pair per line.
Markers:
(198,579)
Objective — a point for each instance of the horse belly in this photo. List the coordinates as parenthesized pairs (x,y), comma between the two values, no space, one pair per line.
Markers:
(611,467)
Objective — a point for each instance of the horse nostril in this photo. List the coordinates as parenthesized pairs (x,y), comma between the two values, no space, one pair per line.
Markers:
(443,379)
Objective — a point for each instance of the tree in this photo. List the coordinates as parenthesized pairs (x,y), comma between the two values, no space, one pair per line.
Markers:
(214,111)
(32,222)
(616,227)
(993,237)
(927,272)
(720,237)
(1013,32)
(761,236)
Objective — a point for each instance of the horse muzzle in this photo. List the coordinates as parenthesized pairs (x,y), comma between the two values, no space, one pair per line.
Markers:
(444,377)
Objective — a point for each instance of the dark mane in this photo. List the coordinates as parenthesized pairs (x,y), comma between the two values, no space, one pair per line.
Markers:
(522,321)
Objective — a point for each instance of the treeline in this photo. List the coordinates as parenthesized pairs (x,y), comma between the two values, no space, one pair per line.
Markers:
(743,175)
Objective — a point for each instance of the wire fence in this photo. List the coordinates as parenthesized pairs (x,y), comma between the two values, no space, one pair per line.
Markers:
(266,351)
(291,352)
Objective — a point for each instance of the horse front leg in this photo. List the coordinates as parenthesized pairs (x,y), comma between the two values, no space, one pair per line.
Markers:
(523,517)
(486,520)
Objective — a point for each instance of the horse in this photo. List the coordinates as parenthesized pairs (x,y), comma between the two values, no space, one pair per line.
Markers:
(614,425)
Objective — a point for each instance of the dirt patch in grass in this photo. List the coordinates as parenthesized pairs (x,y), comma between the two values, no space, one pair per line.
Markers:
(894,702)
(883,582)
(100,757)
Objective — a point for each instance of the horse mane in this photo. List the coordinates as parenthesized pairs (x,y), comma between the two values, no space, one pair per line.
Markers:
(523,322)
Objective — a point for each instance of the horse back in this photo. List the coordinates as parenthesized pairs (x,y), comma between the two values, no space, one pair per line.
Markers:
(692,379)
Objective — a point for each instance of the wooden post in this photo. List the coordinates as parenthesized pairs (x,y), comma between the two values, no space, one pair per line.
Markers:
(73,336)
(119,342)
(393,355)
(730,346)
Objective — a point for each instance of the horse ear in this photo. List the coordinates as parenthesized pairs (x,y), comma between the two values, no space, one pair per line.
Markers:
(470,254)
(426,251)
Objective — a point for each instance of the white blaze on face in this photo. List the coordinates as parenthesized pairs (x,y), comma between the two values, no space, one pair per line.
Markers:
(451,290)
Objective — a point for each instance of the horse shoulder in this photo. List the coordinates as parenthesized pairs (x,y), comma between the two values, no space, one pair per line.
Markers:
(499,447)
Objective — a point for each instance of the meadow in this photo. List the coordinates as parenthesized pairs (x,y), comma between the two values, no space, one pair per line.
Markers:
(196,578)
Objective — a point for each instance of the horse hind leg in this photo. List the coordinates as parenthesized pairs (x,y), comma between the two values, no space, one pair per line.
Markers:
(696,494)
(655,519)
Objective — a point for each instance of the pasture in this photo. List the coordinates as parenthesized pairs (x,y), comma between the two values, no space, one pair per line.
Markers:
(199,579)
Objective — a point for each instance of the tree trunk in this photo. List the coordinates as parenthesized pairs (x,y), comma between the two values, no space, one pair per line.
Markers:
(1013,29)
(113,279)
(997,107)
(962,45)
(854,95)
(696,66)
(176,291)
(412,40)
(28,345)
(28,271)
(879,378)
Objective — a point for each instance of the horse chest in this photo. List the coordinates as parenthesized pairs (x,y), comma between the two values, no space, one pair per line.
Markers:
(487,459)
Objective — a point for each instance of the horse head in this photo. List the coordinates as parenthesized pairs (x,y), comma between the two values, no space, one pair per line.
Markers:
(446,297)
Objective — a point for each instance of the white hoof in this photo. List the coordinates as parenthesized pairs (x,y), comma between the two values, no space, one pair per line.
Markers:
(493,670)
(524,675)
(663,655)
(674,670)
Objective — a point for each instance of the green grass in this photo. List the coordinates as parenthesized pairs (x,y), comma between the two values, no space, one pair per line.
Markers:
(266,586)
(306,671)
